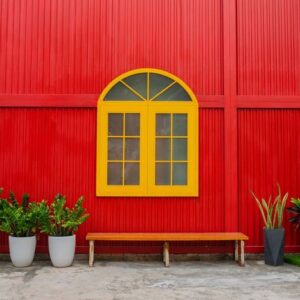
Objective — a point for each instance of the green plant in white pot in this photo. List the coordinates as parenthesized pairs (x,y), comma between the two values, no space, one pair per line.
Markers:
(61,223)
(20,222)
(274,234)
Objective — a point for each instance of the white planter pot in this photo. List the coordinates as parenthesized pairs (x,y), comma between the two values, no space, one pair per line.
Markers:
(62,250)
(22,250)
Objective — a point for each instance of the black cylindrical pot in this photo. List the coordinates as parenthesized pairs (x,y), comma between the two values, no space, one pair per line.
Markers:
(274,246)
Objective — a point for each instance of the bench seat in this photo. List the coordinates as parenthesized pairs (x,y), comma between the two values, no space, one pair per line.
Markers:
(236,237)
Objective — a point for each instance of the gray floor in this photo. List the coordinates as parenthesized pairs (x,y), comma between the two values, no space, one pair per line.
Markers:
(150,280)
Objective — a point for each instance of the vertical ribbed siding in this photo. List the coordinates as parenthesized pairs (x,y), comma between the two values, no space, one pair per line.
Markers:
(78,46)
(49,151)
(269,147)
(268,47)
(45,152)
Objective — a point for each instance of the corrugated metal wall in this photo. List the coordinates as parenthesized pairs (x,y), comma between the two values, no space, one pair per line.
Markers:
(78,46)
(45,151)
(268,47)
(269,147)
(240,57)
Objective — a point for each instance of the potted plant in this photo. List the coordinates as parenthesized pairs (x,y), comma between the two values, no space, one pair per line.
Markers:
(60,223)
(20,222)
(272,214)
(295,210)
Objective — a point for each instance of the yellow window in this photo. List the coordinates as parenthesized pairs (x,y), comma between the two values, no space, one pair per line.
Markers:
(147,136)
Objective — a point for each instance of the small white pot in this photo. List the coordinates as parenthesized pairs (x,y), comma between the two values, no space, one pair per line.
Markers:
(22,250)
(62,250)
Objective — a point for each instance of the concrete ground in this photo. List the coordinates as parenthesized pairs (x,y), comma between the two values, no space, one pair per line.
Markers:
(150,280)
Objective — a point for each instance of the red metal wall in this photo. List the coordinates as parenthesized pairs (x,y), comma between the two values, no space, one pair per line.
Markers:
(45,151)
(268,47)
(78,46)
(269,148)
(240,57)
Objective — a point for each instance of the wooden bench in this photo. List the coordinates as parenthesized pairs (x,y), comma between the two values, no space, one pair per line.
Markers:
(236,237)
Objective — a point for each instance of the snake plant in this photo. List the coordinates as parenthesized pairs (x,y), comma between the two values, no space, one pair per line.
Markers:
(272,210)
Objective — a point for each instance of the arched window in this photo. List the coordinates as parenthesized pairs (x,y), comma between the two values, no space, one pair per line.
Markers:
(147,136)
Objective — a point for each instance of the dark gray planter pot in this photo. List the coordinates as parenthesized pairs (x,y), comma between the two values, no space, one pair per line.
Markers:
(274,246)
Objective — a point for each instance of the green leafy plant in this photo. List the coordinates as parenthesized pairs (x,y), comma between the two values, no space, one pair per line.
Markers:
(59,220)
(19,220)
(295,209)
(293,259)
(272,210)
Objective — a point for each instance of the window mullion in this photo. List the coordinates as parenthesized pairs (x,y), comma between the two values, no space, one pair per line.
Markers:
(147,136)
(133,90)
(148,89)
(123,155)
(163,90)
(171,149)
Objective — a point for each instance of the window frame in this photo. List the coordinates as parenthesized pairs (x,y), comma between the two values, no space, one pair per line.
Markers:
(191,189)
(147,110)
(102,188)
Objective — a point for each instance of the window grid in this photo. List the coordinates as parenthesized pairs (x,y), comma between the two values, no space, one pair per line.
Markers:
(148,96)
(171,161)
(123,137)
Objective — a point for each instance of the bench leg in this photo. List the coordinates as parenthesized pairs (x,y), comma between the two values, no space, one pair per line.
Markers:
(236,251)
(242,254)
(91,254)
(166,256)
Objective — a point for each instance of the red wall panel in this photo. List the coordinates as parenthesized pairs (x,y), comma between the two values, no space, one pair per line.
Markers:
(46,151)
(268,47)
(269,147)
(62,53)
(78,46)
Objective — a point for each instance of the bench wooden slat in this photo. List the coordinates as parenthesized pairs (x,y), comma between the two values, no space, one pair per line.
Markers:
(162,237)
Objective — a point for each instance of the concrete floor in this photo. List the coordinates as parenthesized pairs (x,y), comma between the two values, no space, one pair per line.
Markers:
(150,280)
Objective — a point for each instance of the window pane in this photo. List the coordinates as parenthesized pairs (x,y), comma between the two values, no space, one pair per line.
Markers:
(158,83)
(179,149)
(180,124)
(132,149)
(163,124)
(179,174)
(138,82)
(115,149)
(114,173)
(174,93)
(132,124)
(115,124)
(162,173)
(162,149)
(120,92)
(132,173)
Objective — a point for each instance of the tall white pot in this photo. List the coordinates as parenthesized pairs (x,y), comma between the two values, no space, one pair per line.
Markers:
(22,250)
(62,250)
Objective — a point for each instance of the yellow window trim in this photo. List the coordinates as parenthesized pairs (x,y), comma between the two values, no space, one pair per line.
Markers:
(147,110)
